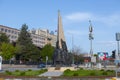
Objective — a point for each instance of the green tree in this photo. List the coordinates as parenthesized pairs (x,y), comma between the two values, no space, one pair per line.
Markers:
(4,38)
(27,51)
(47,51)
(24,42)
(35,54)
(7,51)
(24,37)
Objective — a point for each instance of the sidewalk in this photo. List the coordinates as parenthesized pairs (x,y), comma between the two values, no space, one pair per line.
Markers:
(52,74)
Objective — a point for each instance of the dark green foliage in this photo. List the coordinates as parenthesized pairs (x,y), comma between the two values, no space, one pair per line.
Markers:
(42,71)
(16,70)
(27,51)
(110,71)
(4,38)
(24,37)
(104,73)
(67,70)
(92,74)
(88,73)
(75,74)
(24,42)
(22,73)
(81,68)
(29,69)
(8,72)
(47,50)
(102,70)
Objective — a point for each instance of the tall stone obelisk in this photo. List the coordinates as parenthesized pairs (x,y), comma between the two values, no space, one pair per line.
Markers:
(61,55)
(60,31)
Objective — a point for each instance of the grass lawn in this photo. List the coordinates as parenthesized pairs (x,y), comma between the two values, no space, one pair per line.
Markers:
(83,73)
(80,73)
(25,73)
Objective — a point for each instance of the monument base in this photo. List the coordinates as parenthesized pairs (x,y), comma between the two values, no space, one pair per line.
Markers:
(57,67)
(62,69)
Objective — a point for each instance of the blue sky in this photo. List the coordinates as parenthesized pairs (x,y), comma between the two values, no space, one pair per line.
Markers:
(104,14)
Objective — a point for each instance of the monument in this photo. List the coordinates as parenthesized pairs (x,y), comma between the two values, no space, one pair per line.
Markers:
(61,55)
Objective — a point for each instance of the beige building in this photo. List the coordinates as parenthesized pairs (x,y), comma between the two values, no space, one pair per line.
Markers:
(52,39)
(44,33)
(39,37)
(11,32)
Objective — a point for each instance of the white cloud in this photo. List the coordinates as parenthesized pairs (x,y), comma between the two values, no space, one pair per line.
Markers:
(110,19)
(107,43)
(79,16)
(76,32)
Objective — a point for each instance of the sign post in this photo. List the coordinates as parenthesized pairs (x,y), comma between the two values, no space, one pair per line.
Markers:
(102,57)
(0,63)
(46,60)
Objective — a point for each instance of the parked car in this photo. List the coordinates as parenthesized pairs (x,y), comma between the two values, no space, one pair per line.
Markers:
(41,66)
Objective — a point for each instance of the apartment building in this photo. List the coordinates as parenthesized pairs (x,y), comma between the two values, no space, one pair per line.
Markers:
(44,33)
(39,37)
(52,39)
(12,33)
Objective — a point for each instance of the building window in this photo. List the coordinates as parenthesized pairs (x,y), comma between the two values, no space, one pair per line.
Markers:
(12,31)
(9,31)
(2,29)
(5,30)
(15,32)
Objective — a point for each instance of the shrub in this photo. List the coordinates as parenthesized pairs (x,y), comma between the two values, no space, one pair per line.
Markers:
(29,69)
(75,74)
(8,72)
(102,70)
(110,70)
(45,69)
(104,73)
(92,74)
(16,70)
(67,70)
(22,73)
(42,71)
(81,68)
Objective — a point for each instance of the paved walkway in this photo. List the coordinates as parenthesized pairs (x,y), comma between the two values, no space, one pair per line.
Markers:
(52,74)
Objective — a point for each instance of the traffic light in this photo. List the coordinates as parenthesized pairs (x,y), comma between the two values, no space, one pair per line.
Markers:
(113,54)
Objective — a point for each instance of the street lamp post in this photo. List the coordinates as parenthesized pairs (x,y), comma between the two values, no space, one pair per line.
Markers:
(118,39)
(117,56)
